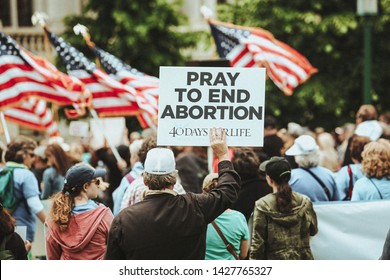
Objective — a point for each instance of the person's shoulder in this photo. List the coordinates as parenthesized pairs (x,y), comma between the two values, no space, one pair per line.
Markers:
(342,170)
(361,182)
(24,173)
(50,171)
(266,200)
(237,214)
(324,170)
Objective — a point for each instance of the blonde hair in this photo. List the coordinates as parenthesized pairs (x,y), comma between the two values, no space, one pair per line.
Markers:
(376,159)
(61,208)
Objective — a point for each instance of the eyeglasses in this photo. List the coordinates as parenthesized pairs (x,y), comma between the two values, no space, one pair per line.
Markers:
(30,154)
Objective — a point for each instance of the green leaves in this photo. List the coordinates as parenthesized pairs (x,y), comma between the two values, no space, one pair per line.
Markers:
(142,33)
(329,34)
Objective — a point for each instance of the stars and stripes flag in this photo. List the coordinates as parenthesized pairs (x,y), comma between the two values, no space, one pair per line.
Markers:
(110,98)
(34,114)
(146,86)
(256,47)
(24,75)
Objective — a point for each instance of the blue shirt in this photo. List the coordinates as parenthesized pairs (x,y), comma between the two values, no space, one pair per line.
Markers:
(25,186)
(365,189)
(90,205)
(341,178)
(234,227)
(303,182)
(119,192)
(52,183)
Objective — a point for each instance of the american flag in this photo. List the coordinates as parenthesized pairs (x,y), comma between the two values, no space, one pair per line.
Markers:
(110,98)
(256,47)
(146,86)
(34,114)
(24,75)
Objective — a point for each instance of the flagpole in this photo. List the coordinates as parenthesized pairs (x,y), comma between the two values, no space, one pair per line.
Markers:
(110,144)
(83,30)
(5,128)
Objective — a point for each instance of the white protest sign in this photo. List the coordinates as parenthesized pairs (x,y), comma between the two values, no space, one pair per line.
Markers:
(194,99)
(79,128)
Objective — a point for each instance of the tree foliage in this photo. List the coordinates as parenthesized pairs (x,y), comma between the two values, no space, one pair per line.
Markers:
(330,35)
(142,33)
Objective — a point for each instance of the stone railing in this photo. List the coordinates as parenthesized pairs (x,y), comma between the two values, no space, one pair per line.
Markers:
(31,40)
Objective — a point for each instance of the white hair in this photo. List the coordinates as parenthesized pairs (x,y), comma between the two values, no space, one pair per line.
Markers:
(309,160)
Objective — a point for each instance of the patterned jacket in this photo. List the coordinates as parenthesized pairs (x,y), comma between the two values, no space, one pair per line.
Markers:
(278,236)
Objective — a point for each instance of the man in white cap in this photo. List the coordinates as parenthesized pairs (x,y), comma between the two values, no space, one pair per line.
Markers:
(166,225)
(310,179)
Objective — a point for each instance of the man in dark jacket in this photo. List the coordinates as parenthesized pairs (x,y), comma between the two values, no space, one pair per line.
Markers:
(166,225)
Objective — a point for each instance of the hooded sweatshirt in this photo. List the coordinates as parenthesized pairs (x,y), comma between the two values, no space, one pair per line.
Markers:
(85,238)
(280,236)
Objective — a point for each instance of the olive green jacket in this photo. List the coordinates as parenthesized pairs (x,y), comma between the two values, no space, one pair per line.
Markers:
(278,236)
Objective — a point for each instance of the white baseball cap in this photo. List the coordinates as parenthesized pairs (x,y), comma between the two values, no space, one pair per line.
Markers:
(371,129)
(303,145)
(160,161)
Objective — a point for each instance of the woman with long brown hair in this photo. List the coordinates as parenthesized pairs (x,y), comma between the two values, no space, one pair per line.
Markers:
(77,227)
(53,177)
(284,220)
(12,245)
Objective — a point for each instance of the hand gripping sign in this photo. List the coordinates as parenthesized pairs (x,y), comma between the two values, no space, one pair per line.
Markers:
(194,99)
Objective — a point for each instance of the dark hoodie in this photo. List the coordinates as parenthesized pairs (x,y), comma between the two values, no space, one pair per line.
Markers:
(85,238)
(279,236)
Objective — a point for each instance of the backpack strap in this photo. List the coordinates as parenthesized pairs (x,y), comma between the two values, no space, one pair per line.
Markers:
(129,178)
(326,190)
(229,246)
(350,182)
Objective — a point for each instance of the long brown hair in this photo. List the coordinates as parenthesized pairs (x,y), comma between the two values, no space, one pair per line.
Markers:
(279,170)
(62,162)
(62,205)
(7,222)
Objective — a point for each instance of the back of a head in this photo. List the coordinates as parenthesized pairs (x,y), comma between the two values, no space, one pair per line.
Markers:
(148,144)
(376,159)
(210,182)
(278,169)
(357,146)
(246,162)
(270,122)
(326,141)
(366,112)
(124,153)
(160,169)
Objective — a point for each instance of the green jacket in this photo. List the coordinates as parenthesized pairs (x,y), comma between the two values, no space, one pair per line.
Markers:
(278,236)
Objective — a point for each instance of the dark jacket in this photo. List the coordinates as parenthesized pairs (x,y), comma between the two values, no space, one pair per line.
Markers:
(167,226)
(386,248)
(251,191)
(16,245)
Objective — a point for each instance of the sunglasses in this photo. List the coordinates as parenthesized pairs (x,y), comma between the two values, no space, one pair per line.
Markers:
(30,154)
(97,182)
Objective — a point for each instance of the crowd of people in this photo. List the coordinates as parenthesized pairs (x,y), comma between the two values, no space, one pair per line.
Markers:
(164,202)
